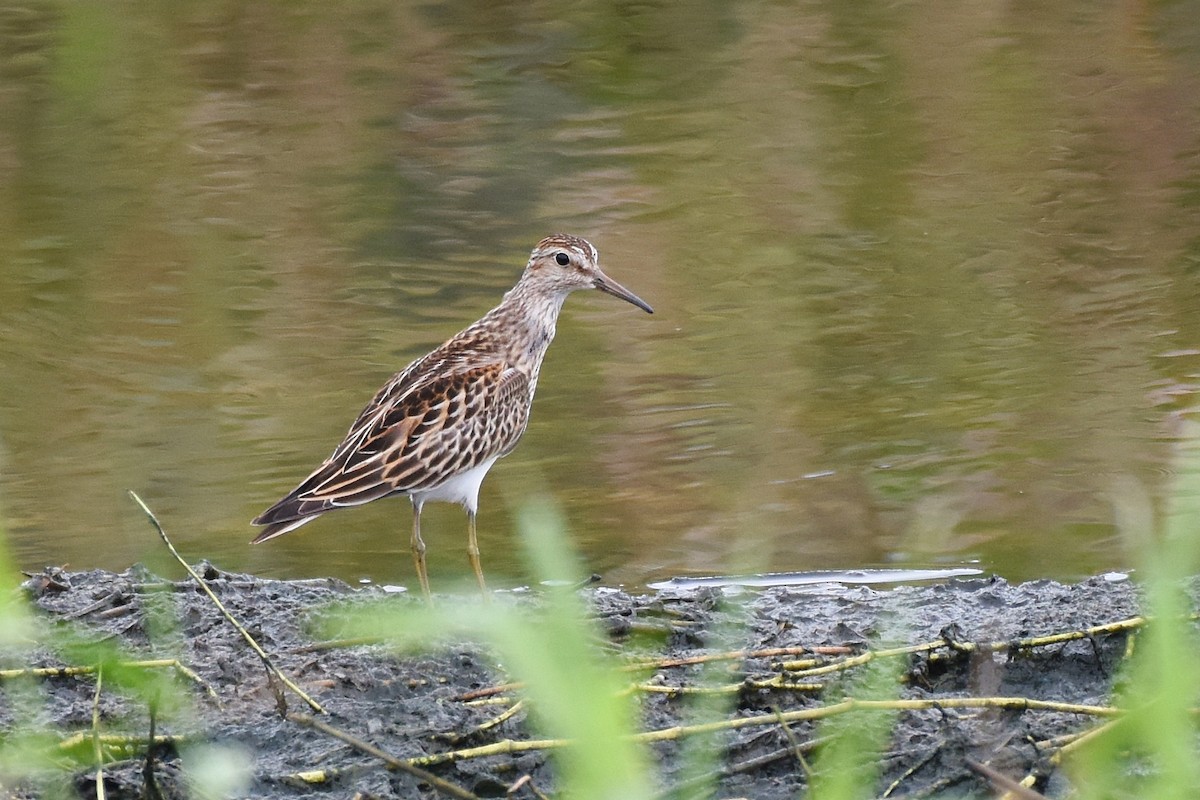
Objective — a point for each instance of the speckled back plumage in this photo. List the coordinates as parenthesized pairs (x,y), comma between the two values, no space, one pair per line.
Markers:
(459,407)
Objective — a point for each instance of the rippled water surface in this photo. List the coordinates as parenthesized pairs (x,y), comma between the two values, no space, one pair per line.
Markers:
(925,275)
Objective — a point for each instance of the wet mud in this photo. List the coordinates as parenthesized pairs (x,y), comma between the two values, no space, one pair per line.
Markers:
(797,641)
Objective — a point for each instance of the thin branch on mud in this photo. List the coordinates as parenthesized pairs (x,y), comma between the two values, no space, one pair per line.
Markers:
(805,668)
(508,746)
(500,748)
(748,765)
(940,785)
(116,745)
(775,684)
(913,770)
(818,666)
(489,691)
(525,780)
(794,745)
(442,785)
(1012,789)
(1063,747)
(681,691)
(738,655)
(1081,739)
(485,726)
(501,718)
(88,669)
(850,704)
(308,778)
(811,667)
(272,670)
(489,701)
(668,663)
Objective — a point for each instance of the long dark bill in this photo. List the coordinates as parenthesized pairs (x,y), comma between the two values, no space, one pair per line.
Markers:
(609,286)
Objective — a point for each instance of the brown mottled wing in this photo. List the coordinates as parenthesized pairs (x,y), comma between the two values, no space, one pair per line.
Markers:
(418,431)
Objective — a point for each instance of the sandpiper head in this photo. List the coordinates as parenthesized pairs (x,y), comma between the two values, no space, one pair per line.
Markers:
(565,263)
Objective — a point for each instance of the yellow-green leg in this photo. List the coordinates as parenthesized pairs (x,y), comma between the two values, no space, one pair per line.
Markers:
(418,551)
(473,554)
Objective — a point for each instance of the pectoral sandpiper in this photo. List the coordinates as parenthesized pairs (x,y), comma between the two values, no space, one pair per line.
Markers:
(435,429)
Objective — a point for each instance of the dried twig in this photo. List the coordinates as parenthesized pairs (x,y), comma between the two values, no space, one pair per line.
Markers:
(88,669)
(1012,789)
(805,668)
(847,705)
(737,655)
(272,670)
(116,743)
(409,766)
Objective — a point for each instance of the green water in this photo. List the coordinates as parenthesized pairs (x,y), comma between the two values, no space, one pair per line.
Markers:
(926,276)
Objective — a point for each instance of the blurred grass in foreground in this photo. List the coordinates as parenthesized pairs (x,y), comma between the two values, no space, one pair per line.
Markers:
(576,692)
(579,694)
(39,754)
(1152,752)
(26,747)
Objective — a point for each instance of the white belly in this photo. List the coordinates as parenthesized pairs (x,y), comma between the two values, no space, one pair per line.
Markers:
(463,488)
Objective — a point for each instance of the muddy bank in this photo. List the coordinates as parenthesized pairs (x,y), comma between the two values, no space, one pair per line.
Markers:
(796,640)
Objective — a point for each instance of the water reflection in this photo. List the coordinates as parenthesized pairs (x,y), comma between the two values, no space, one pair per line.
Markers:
(924,278)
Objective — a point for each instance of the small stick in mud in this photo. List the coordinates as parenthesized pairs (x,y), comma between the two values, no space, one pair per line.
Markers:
(444,786)
(88,669)
(1011,788)
(274,675)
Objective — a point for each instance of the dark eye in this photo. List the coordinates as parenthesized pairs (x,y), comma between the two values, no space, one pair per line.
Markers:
(562,259)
